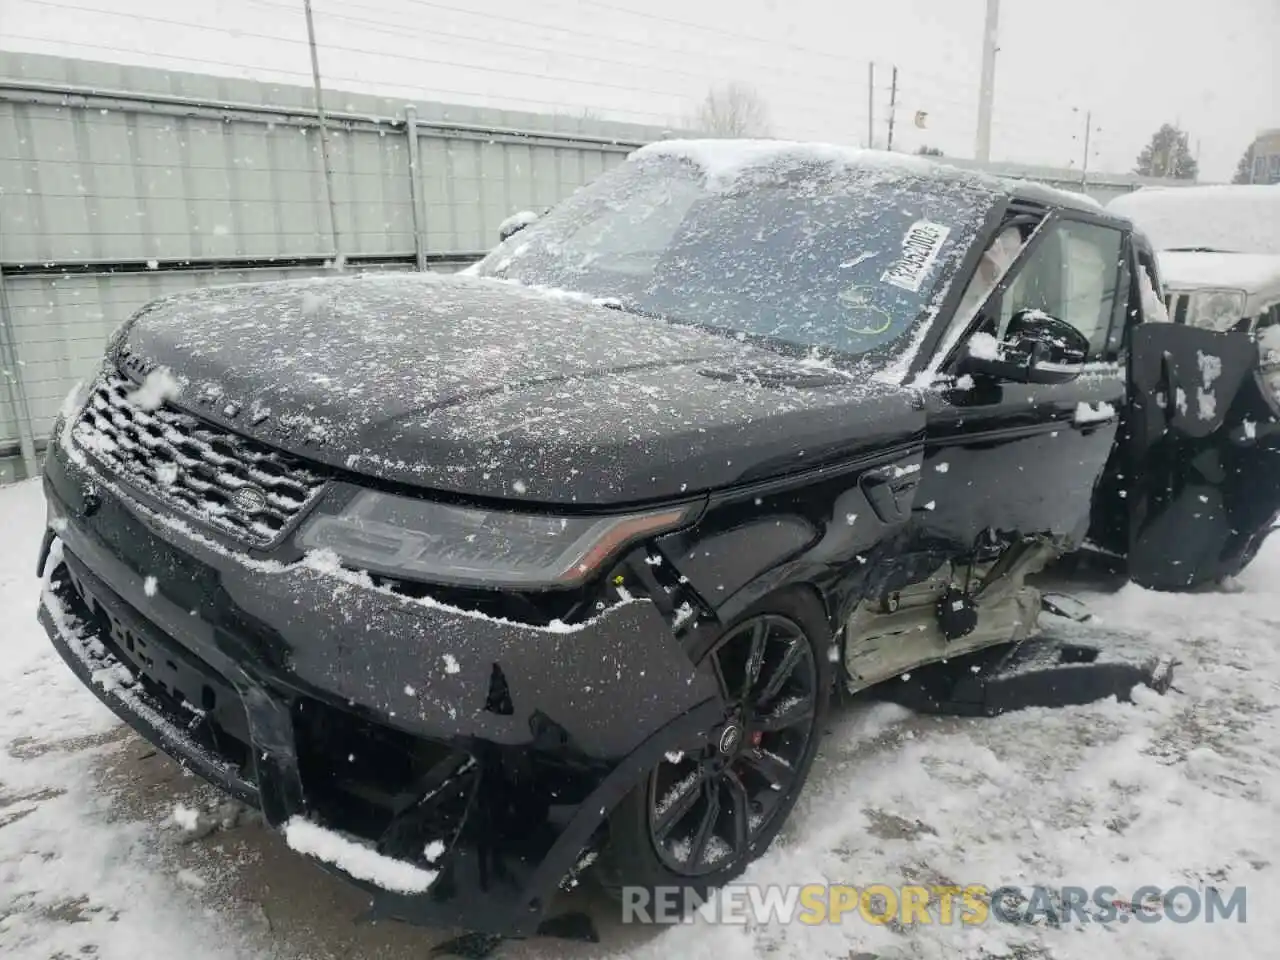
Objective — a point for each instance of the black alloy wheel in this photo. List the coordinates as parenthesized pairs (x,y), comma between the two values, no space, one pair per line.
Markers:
(708,809)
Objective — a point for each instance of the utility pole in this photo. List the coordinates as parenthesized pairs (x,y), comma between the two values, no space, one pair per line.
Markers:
(871,104)
(1089,131)
(987,91)
(324,137)
(893,103)
(1084,168)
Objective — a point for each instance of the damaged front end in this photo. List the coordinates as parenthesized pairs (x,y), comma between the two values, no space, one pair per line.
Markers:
(456,766)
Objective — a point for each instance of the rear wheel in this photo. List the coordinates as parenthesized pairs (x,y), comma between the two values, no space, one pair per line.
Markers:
(702,816)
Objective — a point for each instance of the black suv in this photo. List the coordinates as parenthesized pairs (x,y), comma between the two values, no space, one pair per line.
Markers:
(465,580)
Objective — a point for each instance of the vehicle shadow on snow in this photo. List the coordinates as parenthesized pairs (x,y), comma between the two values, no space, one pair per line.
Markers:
(297,909)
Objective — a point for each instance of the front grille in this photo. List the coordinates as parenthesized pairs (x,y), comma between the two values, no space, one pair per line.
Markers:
(238,486)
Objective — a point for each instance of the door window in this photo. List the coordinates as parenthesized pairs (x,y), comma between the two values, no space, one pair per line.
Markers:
(992,267)
(1074,275)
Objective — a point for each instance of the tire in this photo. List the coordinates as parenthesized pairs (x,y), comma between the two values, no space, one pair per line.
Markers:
(637,855)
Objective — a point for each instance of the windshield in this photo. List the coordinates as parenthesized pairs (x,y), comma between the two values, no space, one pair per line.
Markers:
(1228,219)
(801,254)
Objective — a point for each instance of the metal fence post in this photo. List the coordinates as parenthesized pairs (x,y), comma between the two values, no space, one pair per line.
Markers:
(325,153)
(419,240)
(11,374)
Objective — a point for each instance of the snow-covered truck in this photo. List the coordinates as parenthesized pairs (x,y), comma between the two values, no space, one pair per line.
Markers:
(1219,258)
(1219,252)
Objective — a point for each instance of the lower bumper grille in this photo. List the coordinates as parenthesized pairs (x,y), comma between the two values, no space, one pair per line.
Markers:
(149,681)
(404,796)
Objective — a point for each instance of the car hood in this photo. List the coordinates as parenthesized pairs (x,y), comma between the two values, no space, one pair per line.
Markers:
(487,389)
(1254,273)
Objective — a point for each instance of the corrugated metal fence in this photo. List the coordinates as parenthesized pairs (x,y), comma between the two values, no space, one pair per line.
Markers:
(119,184)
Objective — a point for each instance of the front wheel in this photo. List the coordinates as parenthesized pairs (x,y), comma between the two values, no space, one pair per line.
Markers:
(702,816)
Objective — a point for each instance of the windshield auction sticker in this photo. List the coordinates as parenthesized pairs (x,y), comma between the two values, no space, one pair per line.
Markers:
(920,250)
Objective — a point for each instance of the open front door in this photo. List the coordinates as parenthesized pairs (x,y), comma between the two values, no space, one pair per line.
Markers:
(1194,485)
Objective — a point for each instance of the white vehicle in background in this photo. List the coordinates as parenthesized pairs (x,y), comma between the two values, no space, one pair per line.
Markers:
(1219,257)
(1219,254)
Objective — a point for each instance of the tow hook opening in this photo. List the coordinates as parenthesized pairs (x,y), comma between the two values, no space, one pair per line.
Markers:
(406,796)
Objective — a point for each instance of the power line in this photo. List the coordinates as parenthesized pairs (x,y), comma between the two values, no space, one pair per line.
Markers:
(381,27)
(377,53)
(385,54)
(551,28)
(772,42)
(430,92)
(906,93)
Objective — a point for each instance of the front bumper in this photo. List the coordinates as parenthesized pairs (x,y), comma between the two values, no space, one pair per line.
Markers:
(485,752)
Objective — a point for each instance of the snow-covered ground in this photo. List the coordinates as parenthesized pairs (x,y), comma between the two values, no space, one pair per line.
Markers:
(1179,790)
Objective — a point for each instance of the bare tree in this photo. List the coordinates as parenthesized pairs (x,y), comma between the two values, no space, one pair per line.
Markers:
(735,110)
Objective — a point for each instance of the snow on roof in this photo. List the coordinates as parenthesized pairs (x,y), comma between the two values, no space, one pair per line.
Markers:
(1057,196)
(724,160)
(1236,219)
(1251,272)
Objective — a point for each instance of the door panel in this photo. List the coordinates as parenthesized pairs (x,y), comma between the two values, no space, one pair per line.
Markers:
(1200,461)
(1014,459)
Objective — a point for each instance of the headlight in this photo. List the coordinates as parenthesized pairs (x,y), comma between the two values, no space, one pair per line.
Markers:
(1216,309)
(444,543)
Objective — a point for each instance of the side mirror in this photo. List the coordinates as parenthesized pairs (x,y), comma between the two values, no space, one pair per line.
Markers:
(1037,348)
(515,223)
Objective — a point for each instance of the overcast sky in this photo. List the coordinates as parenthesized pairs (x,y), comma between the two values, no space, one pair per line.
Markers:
(1210,66)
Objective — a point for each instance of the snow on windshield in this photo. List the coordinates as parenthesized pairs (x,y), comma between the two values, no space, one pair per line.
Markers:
(1230,219)
(801,246)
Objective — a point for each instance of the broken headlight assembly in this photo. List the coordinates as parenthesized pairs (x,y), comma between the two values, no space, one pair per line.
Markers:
(413,539)
(1216,309)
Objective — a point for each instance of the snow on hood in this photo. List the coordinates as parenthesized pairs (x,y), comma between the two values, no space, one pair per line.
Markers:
(1235,219)
(725,160)
(491,389)
(390,344)
(1254,273)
